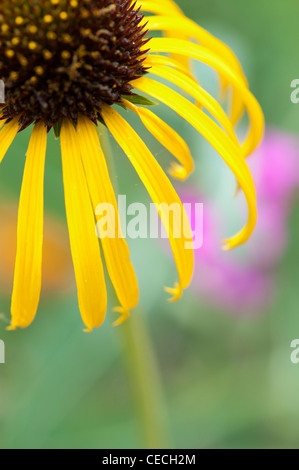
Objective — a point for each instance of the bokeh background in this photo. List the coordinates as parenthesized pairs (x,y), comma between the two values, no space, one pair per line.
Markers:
(223,352)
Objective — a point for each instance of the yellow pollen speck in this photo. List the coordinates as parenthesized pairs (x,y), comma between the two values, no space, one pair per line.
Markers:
(39,70)
(51,35)
(65,54)
(32,29)
(13,75)
(85,31)
(84,14)
(23,60)
(47,54)
(48,18)
(67,38)
(15,41)
(19,20)
(32,45)
(9,53)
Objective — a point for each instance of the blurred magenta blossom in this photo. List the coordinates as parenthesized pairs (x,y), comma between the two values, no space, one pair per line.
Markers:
(243,281)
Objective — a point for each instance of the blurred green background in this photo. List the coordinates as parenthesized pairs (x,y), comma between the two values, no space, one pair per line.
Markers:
(228,381)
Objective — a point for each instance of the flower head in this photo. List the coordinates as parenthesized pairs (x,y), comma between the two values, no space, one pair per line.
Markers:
(64,58)
(64,64)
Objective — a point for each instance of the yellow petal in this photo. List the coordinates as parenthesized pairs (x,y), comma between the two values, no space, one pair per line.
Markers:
(160,190)
(180,26)
(92,294)
(174,63)
(7,135)
(163,60)
(159,6)
(172,141)
(167,8)
(185,83)
(206,56)
(229,151)
(115,249)
(28,267)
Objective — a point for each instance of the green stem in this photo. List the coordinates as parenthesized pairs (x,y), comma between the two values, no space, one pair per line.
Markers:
(141,361)
(145,381)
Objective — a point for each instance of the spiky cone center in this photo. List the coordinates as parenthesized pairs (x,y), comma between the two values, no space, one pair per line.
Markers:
(62,58)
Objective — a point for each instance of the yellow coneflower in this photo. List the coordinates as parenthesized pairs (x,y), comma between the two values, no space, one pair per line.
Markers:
(65,63)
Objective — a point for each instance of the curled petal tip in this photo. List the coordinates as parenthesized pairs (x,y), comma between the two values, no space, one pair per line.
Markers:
(175,291)
(227,245)
(11,328)
(178,172)
(88,330)
(124,315)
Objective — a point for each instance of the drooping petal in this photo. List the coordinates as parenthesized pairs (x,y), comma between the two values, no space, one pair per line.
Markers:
(181,25)
(7,135)
(192,30)
(174,63)
(167,8)
(115,248)
(91,287)
(229,151)
(170,139)
(28,267)
(161,192)
(206,56)
(159,6)
(161,60)
(185,83)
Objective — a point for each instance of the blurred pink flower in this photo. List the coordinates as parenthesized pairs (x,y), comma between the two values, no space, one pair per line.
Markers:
(243,281)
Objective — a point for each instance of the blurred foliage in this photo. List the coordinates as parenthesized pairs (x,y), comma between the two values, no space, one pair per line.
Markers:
(229,381)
